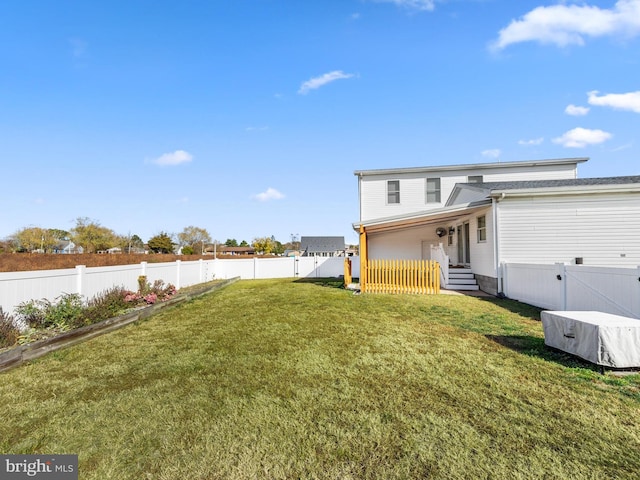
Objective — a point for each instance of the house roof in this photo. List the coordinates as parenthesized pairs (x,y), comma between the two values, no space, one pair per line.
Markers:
(473,166)
(322,244)
(226,249)
(545,187)
(570,182)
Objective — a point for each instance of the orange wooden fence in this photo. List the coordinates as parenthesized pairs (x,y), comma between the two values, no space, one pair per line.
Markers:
(347,271)
(401,276)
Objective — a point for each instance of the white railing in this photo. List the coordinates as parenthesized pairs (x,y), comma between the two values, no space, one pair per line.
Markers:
(574,287)
(438,254)
(18,287)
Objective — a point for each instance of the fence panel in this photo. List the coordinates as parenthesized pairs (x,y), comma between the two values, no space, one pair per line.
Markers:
(275,267)
(610,290)
(99,279)
(402,276)
(574,287)
(192,273)
(167,272)
(534,284)
(18,287)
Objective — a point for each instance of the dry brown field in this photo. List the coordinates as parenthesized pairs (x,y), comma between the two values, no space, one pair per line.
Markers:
(23,262)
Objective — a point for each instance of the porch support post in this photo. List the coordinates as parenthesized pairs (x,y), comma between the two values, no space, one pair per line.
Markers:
(363,259)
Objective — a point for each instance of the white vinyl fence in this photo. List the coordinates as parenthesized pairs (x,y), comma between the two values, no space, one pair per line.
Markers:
(574,287)
(18,287)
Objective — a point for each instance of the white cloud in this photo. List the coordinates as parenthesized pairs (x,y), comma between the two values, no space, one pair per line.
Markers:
(576,111)
(322,80)
(531,143)
(619,101)
(257,129)
(581,137)
(491,153)
(423,5)
(176,158)
(623,147)
(564,25)
(269,194)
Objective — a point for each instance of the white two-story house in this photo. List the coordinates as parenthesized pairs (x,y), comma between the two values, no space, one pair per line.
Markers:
(479,215)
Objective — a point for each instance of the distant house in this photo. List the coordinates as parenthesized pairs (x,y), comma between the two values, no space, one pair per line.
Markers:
(67,246)
(224,250)
(322,246)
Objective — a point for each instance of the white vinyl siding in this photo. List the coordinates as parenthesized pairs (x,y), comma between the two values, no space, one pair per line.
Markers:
(433,190)
(374,198)
(603,229)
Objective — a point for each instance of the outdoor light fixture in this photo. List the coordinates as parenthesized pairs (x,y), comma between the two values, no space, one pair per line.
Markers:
(452,230)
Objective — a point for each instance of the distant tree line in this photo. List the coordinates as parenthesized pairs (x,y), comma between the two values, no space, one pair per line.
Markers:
(94,238)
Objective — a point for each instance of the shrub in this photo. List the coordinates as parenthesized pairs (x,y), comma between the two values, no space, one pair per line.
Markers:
(109,303)
(144,287)
(65,313)
(43,318)
(33,313)
(9,333)
(163,292)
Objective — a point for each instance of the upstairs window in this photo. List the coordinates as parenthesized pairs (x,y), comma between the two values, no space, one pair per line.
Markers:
(393,192)
(474,179)
(482,229)
(433,190)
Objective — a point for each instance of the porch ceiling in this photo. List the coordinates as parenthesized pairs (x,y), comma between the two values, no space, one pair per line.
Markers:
(427,218)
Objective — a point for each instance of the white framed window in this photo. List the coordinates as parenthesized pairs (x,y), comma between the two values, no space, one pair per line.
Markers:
(433,190)
(393,192)
(482,229)
(474,179)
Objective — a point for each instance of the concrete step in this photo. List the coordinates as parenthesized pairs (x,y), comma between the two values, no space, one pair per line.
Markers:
(462,281)
(456,286)
(462,275)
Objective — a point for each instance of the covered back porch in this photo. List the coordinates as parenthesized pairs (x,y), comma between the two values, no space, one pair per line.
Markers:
(457,238)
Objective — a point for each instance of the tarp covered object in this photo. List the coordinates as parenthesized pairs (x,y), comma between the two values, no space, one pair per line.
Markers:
(601,338)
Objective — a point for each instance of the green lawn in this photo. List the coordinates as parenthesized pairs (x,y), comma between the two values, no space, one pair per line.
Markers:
(284,379)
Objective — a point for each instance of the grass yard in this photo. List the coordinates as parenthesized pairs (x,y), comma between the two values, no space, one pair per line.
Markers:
(285,379)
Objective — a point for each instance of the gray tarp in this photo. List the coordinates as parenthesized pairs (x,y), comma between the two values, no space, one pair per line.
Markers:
(601,338)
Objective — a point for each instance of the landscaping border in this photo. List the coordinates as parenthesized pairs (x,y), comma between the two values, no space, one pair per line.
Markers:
(24,353)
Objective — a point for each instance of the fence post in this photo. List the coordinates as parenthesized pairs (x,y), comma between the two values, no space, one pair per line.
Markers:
(178,263)
(561,268)
(80,272)
(637,312)
(503,280)
(143,268)
(201,276)
(255,268)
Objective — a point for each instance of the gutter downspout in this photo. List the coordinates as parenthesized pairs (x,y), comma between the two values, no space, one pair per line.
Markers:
(496,249)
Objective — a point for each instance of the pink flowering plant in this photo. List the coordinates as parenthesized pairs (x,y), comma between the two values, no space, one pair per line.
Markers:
(149,294)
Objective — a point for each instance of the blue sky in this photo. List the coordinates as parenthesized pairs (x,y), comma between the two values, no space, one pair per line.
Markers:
(248,117)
